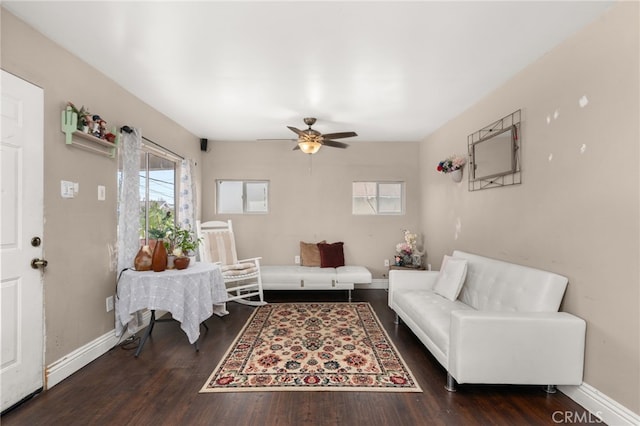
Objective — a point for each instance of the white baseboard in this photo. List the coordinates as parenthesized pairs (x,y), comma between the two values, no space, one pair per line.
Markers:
(376,283)
(602,407)
(74,361)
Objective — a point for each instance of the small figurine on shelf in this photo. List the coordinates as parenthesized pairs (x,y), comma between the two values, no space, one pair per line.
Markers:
(95,130)
(398,260)
(86,122)
(102,126)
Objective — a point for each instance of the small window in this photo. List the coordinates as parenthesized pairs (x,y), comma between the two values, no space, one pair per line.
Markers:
(242,196)
(378,197)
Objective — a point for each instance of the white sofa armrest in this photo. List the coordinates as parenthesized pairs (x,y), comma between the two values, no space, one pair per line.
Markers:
(544,348)
(402,279)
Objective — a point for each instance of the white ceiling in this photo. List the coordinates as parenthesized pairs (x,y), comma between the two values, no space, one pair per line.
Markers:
(391,71)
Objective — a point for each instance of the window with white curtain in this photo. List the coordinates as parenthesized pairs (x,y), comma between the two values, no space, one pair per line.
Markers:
(377,198)
(242,196)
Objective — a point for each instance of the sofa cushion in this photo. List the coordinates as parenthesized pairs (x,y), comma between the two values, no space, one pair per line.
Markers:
(288,274)
(451,277)
(431,313)
(310,253)
(284,277)
(281,274)
(331,255)
(353,274)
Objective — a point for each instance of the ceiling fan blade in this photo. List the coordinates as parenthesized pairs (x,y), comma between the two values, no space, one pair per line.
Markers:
(296,147)
(339,135)
(334,144)
(296,131)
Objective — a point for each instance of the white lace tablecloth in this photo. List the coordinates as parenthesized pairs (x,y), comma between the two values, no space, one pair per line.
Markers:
(189,294)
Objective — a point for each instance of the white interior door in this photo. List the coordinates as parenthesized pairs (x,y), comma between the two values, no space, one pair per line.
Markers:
(21,294)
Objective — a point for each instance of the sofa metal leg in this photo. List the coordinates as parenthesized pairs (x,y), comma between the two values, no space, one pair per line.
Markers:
(397,320)
(550,389)
(451,383)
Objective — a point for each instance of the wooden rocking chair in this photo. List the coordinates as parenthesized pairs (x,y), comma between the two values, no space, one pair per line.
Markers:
(241,277)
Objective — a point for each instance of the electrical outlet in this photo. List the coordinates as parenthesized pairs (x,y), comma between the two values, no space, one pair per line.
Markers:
(386,262)
(109,303)
(296,260)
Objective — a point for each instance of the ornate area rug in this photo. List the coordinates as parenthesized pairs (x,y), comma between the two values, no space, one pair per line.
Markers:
(312,347)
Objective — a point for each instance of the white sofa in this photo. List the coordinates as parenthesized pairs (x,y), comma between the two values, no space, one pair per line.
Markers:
(503,328)
(313,278)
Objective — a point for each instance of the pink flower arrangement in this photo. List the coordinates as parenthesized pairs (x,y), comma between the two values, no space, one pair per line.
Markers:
(451,164)
(404,249)
(407,247)
(407,250)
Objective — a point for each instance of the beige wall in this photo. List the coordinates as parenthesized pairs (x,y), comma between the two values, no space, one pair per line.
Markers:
(310,197)
(79,233)
(576,212)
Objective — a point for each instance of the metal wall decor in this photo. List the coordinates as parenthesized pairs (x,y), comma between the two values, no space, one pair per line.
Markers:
(494,154)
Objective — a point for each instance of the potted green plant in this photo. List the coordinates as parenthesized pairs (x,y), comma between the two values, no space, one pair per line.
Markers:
(182,243)
(82,114)
(158,220)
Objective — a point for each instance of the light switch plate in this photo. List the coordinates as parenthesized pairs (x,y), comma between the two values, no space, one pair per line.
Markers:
(102,193)
(67,189)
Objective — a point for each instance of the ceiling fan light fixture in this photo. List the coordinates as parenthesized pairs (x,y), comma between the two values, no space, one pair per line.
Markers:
(310,141)
(309,146)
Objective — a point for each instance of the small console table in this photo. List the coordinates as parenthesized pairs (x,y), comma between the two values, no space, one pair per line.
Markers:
(188,294)
(408,268)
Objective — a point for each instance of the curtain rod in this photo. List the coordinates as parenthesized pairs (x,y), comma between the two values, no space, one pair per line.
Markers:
(128,129)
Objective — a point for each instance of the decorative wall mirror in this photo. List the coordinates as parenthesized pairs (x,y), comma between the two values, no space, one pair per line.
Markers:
(494,154)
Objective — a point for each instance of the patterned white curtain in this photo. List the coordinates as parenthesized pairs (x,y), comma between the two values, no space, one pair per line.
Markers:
(128,208)
(129,200)
(187,196)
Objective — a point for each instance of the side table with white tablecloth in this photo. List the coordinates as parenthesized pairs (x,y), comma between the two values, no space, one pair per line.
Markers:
(188,294)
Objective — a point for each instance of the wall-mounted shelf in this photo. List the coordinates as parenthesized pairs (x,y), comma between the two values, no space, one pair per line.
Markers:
(86,141)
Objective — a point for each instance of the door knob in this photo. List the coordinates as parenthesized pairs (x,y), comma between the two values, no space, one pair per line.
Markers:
(37,263)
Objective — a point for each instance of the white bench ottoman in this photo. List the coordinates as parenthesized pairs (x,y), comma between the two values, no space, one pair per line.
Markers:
(276,277)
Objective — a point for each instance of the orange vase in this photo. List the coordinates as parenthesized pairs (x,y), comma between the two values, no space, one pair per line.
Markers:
(142,262)
(159,259)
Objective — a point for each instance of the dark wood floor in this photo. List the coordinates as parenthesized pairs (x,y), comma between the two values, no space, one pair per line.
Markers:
(161,387)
